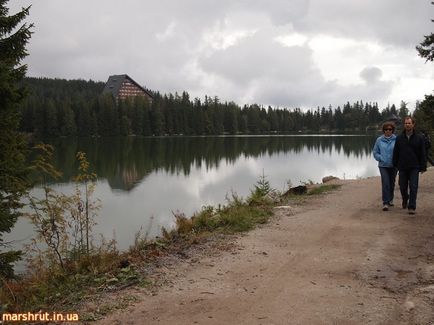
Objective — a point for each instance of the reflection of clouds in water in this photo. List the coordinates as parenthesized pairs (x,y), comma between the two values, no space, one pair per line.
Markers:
(149,205)
(311,165)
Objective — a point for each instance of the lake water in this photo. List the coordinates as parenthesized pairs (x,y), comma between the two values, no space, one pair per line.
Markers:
(142,181)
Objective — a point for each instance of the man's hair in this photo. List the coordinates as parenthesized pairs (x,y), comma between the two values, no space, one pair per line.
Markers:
(410,118)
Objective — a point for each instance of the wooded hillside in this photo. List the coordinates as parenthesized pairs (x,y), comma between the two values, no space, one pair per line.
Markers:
(57,107)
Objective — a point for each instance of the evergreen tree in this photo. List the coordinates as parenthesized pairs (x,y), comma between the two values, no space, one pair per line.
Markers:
(47,112)
(27,116)
(51,119)
(13,185)
(146,122)
(231,119)
(137,118)
(39,118)
(157,118)
(273,119)
(84,121)
(424,113)
(403,110)
(339,119)
(393,110)
(253,119)
(198,123)
(426,47)
(125,125)
(108,118)
(67,120)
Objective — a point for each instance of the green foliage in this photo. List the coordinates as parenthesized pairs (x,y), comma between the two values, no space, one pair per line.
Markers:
(63,222)
(51,288)
(62,262)
(13,171)
(424,114)
(77,107)
(48,212)
(206,219)
(184,227)
(262,187)
(242,218)
(84,209)
(235,218)
(324,188)
(261,195)
(237,215)
(426,47)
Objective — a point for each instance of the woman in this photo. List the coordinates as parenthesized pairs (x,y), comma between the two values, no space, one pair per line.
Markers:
(383,153)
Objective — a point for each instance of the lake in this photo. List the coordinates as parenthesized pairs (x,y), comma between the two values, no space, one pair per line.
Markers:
(143,181)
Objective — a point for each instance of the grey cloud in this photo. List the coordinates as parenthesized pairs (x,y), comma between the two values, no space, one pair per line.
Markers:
(93,39)
(371,74)
(258,57)
(398,22)
(280,12)
(287,76)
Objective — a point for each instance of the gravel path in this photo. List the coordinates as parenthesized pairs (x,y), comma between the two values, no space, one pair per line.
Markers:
(339,260)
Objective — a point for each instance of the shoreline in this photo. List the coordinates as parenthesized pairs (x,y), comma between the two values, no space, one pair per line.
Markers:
(338,258)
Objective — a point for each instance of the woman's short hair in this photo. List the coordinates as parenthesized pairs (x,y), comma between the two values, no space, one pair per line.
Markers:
(389,124)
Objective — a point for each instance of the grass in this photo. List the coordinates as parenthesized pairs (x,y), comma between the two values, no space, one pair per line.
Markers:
(232,219)
(323,188)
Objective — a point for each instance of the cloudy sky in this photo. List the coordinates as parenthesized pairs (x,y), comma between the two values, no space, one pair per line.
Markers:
(283,53)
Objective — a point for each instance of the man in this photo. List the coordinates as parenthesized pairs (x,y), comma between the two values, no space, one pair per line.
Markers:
(409,157)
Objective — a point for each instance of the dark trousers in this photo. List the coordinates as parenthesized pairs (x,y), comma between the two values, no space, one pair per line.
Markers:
(409,180)
(388,176)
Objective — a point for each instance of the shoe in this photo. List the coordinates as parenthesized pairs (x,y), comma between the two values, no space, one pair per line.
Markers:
(411,211)
(404,204)
(385,207)
(391,204)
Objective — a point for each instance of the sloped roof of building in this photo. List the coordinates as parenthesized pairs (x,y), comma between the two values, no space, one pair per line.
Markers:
(114,84)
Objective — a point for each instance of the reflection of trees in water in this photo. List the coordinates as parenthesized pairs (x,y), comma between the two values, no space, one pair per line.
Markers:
(126,161)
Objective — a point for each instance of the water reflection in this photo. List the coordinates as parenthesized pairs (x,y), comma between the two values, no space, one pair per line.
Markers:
(141,181)
(125,162)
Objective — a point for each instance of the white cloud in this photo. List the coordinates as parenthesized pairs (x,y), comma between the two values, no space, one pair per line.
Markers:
(289,40)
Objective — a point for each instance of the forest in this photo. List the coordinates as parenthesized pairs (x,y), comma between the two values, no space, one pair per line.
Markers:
(58,107)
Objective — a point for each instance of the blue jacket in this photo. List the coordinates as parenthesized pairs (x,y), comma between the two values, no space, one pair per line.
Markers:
(383,150)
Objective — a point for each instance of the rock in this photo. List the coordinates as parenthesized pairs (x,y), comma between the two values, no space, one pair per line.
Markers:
(283,207)
(329,179)
(297,190)
(409,305)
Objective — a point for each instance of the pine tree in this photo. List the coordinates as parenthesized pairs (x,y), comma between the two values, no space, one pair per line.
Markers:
(67,120)
(13,185)
(426,47)
(424,113)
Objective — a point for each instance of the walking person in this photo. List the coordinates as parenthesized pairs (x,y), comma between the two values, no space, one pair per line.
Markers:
(383,153)
(409,157)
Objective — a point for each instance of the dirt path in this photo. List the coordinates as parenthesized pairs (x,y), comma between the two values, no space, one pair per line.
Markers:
(341,260)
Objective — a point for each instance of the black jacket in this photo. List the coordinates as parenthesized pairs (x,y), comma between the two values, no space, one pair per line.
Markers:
(409,153)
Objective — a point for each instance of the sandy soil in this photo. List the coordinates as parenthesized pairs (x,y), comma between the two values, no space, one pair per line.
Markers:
(338,260)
